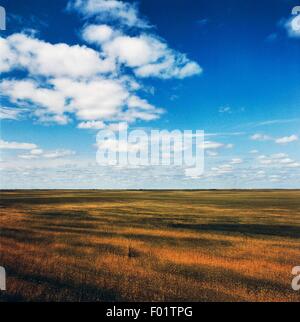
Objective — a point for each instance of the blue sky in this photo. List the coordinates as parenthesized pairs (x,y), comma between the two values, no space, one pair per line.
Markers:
(70,68)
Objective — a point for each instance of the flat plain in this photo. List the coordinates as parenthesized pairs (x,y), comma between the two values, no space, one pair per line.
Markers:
(93,245)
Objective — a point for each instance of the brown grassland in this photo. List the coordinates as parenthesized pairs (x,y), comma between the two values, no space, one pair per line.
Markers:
(149,245)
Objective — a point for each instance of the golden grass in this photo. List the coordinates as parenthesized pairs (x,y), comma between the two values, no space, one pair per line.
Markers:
(149,246)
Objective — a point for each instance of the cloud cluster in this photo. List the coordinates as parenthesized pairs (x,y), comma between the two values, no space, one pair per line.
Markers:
(32,151)
(146,54)
(5,145)
(287,139)
(39,153)
(7,113)
(281,160)
(95,84)
(280,140)
(40,58)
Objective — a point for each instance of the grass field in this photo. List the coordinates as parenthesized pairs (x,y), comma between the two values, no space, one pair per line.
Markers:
(149,245)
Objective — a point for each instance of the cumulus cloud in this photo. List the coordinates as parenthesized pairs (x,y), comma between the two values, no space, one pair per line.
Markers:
(29,91)
(65,82)
(52,60)
(97,34)
(33,151)
(95,100)
(124,12)
(148,55)
(287,139)
(7,56)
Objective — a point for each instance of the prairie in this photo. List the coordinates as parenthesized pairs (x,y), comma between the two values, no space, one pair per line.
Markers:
(81,245)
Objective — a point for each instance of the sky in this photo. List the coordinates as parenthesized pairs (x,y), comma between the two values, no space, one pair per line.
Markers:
(69,68)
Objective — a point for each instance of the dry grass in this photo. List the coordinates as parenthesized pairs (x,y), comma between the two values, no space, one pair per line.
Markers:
(149,246)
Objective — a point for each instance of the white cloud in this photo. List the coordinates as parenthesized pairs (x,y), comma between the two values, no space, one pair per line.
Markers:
(27,90)
(137,102)
(236,161)
(211,145)
(211,153)
(27,156)
(9,113)
(281,140)
(293,165)
(261,173)
(278,155)
(97,34)
(260,137)
(286,161)
(135,51)
(96,125)
(287,139)
(225,109)
(279,160)
(63,82)
(38,153)
(5,145)
(266,161)
(34,152)
(126,13)
(52,60)
(7,57)
(225,134)
(149,57)
(147,54)
(222,169)
(96,100)
(58,154)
